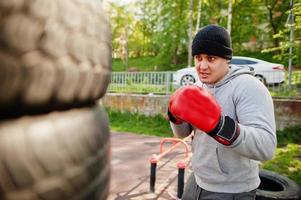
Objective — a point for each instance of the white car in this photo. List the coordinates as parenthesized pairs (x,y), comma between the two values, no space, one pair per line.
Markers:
(266,72)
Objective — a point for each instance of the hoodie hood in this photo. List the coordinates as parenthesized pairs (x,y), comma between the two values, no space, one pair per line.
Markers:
(233,72)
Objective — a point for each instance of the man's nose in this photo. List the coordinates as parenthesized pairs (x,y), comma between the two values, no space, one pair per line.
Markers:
(202,65)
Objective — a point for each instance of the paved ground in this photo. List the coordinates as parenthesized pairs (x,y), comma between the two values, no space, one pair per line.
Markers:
(131,168)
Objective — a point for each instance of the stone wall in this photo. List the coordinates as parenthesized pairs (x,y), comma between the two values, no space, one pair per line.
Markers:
(287,112)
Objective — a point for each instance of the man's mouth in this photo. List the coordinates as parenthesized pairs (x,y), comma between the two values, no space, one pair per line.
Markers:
(204,75)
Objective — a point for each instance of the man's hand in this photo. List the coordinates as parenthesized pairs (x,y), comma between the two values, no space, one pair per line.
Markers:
(197,107)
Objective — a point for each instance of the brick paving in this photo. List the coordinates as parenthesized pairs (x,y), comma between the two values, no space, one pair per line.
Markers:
(130,168)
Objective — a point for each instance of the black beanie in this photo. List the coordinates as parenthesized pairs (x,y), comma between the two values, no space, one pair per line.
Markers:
(212,40)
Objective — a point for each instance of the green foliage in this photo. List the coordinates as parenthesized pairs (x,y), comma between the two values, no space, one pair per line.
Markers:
(277,16)
(286,162)
(283,36)
(140,124)
(246,26)
(289,135)
(169,22)
(121,23)
(147,63)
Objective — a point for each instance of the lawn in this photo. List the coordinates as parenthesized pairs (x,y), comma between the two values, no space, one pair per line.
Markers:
(287,159)
(139,124)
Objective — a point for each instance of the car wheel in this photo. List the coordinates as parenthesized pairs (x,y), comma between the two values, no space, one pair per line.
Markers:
(261,79)
(61,155)
(53,51)
(276,186)
(187,80)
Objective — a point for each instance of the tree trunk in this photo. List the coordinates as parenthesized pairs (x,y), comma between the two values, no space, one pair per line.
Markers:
(190,34)
(229,16)
(270,9)
(199,16)
(175,57)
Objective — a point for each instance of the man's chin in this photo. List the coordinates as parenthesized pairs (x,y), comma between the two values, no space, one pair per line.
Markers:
(205,80)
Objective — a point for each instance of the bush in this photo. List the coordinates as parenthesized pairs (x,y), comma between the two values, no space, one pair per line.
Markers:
(289,135)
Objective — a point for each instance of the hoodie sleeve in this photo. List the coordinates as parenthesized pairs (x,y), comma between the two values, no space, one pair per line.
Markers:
(256,120)
(181,130)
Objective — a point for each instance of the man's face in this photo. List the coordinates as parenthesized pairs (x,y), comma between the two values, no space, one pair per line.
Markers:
(210,69)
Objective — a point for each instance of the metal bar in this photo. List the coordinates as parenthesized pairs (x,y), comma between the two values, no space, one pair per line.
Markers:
(181,175)
(177,143)
(153,168)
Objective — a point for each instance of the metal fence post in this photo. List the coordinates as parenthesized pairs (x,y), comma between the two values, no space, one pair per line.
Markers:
(167,82)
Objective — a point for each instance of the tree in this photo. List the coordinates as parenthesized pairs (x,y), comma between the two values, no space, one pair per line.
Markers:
(277,16)
(199,14)
(163,28)
(169,23)
(229,16)
(284,40)
(190,34)
(120,23)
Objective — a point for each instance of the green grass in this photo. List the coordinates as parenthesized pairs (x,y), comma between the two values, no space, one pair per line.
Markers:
(289,135)
(139,88)
(283,91)
(140,124)
(286,93)
(287,160)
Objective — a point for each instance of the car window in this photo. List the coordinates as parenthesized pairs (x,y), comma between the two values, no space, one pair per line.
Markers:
(236,61)
(239,61)
(250,62)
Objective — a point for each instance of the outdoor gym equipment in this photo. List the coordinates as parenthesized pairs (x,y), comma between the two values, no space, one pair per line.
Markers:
(181,165)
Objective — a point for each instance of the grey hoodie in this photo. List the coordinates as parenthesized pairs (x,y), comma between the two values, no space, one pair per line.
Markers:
(234,169)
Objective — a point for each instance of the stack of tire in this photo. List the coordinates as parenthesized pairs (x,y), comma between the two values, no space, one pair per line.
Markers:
(55,63)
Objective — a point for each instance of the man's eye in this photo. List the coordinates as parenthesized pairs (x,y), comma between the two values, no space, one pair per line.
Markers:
(198,58)
(211,58)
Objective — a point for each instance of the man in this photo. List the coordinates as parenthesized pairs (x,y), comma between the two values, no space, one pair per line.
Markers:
(232,114)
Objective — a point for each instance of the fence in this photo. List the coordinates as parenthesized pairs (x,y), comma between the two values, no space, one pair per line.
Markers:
(141,82)
(162,83)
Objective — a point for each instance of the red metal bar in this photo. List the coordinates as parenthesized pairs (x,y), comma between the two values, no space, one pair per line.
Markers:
(181,165)
(176,142)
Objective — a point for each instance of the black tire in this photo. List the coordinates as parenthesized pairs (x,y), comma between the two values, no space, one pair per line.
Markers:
(53,51)
(187,80)
(61,155)
(275,186)
(261,79)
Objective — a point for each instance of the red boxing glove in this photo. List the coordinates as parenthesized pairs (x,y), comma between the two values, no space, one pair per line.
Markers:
(197,107)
